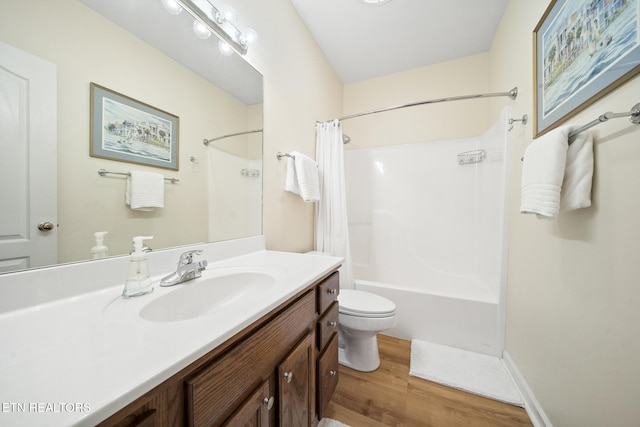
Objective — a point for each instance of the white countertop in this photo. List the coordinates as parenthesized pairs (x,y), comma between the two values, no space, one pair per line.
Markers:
(78,360)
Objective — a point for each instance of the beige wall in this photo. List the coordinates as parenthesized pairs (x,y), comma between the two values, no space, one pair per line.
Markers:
(458,119)
(300,88)
(573,296)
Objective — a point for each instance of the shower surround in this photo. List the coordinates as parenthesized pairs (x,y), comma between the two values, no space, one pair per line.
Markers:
(429,233)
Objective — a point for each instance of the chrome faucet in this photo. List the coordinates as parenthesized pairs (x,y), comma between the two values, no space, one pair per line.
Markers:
(187,269)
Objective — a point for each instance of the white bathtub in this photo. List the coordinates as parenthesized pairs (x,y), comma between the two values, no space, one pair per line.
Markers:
(469,321)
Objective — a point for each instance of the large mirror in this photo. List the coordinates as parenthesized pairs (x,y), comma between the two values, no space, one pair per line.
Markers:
(139,50)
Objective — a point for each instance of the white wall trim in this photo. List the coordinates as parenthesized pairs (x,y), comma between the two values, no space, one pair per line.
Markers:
(531,404)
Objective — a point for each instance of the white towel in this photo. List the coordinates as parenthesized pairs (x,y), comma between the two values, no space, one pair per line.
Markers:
(557,175)
(302,177)
(578,173)
(145,190)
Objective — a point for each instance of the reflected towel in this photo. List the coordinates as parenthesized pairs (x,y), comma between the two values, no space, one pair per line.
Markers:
(302,177)
(556,175)
(145,191)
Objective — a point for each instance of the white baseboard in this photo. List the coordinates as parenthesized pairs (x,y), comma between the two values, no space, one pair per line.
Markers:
(531,404)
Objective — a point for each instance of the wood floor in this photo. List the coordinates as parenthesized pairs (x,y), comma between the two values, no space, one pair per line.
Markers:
(390,397)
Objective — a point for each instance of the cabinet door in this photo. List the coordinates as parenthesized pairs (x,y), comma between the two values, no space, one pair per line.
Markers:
(254,412)
(294,379)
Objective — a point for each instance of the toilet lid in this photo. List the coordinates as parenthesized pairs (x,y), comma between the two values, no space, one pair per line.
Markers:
(364,304)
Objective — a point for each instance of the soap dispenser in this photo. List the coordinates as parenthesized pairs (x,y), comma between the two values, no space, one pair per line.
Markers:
(99,250)
(138,280)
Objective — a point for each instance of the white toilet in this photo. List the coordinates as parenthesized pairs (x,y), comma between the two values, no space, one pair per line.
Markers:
(362,315)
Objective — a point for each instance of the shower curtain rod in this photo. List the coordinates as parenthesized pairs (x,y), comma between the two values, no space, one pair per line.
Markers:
(513,94)
(207,141)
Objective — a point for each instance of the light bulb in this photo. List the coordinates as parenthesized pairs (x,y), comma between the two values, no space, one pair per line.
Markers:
(225,48)
(172,6)
(228,14)
(200,30)
(248,37)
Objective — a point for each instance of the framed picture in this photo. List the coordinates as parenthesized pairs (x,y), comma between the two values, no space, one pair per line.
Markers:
(582,49)
(128,130)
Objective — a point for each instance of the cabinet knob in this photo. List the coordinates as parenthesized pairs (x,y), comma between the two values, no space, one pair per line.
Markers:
(332,291)
(332,373)
(268,402)
(333,324)
(288,376)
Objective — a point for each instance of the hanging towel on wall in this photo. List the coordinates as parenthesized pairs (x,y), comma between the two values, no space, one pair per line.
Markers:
(145,191)
(555,175)
(578,173)
(302,177)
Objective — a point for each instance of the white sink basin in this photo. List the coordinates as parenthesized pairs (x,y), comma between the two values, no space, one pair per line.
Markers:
(208,295)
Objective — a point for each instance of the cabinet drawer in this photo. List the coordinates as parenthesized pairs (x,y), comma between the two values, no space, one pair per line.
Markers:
(212,394)
(328,292)
(327,325)
(327,375)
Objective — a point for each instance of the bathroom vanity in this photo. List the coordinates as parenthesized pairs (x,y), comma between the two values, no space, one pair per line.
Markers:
(266,355)
(277,371)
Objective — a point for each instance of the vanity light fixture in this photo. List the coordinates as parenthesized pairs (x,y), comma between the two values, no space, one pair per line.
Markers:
(219,21)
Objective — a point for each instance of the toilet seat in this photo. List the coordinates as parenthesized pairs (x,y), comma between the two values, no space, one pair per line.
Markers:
(364,304)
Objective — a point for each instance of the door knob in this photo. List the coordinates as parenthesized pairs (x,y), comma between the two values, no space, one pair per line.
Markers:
(45,226)
(288,376)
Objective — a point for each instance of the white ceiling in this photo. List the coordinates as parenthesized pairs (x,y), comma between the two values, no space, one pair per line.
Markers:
(363,41)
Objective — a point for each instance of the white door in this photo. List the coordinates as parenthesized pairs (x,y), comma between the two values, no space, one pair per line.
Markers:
(28,160)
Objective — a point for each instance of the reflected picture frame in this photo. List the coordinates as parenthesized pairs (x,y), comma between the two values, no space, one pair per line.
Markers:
(126,130)
(582,51)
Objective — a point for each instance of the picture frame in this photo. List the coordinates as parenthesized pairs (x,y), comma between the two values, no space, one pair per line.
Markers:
(127,130)
(582,50)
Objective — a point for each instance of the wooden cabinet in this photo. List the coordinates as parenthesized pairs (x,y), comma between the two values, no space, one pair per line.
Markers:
(327,342)
(274,372)
(213,393)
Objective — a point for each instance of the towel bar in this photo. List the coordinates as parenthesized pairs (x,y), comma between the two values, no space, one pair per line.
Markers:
(633,115)
(103,172)
(281,155)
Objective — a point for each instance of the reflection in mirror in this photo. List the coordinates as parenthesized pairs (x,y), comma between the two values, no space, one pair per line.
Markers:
(139,50)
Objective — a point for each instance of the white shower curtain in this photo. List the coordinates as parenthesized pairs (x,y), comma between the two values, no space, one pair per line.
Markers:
(332,233)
